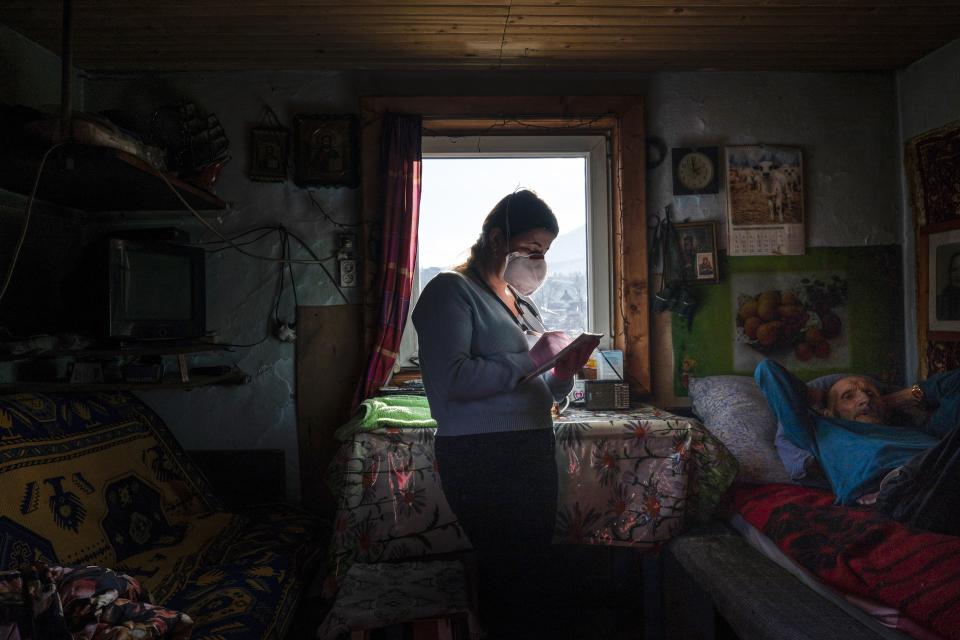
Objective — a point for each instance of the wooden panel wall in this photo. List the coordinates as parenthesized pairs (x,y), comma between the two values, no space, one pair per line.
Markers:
(329,360)
(535,34)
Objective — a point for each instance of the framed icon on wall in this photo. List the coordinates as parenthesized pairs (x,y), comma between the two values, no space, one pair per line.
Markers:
(269,150)
(698,257)
(325,151)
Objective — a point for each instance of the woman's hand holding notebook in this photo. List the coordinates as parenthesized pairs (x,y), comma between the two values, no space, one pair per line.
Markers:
(555,348)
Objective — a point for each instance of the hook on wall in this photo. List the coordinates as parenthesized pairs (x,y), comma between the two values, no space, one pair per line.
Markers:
(656,152)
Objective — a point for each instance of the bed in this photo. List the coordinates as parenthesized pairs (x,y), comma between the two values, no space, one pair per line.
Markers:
(898,581)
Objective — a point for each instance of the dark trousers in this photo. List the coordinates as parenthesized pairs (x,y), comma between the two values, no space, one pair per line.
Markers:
(502,487)
(926,493)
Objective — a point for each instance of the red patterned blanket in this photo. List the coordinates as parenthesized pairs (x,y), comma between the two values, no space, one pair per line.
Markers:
(857,551)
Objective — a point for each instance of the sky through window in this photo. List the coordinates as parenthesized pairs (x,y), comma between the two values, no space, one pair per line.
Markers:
(457,195)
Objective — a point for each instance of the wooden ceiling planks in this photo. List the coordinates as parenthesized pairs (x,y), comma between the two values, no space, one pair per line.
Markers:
(641,35)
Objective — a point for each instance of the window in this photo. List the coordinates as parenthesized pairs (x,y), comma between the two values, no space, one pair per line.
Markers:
(463,177)
(620,119)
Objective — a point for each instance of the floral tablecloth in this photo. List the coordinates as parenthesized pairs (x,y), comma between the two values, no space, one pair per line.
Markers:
(630,478)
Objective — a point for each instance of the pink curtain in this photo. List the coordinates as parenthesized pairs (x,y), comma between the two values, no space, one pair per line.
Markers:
(401,169)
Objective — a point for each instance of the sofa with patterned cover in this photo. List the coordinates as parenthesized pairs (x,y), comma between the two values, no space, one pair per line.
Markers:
(98,479)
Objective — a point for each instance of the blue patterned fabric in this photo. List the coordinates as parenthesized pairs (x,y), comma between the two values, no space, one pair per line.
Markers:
(97,478)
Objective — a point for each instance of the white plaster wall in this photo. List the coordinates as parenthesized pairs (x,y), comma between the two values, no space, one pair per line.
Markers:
(240,290)
(845,124)
(842,122)
(928,96)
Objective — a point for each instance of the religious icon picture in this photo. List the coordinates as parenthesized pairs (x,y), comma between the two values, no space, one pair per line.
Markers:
(268,159)
(705,268)
(326,151)
(697,243)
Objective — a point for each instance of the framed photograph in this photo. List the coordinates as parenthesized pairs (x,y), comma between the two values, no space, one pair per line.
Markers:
(325,151)
(939,286)
(697,242)
(268,154)
(933,164)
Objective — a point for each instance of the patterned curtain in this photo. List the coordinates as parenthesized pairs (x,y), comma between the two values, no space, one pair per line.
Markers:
(401,170)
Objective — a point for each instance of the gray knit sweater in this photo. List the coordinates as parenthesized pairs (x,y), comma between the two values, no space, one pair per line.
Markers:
(472,357)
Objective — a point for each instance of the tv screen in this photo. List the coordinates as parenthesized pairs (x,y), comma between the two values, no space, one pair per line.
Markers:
(145,274)
(156,290)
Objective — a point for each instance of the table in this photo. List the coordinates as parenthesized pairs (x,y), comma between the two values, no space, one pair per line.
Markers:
(629,478)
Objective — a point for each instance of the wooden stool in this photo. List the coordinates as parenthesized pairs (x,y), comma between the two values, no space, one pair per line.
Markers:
(455,626)
(399,601)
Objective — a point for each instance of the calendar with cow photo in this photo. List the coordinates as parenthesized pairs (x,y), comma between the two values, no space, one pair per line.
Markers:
(765,213)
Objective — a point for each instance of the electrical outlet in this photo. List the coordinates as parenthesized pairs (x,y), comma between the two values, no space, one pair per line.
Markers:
(347,242)
(348,273)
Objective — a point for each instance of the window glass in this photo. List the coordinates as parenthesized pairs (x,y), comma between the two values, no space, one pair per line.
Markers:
(457,195)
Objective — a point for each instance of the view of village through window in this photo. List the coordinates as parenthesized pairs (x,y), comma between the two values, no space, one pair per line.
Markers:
(457,195)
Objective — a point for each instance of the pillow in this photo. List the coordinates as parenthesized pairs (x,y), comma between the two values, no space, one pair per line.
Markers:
(734,410)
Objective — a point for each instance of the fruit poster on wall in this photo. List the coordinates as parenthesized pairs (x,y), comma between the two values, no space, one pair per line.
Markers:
(796,318)
(832,310)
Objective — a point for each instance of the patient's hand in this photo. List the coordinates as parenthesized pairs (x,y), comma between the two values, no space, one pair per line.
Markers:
(816,398)
(901,400)
(905,408)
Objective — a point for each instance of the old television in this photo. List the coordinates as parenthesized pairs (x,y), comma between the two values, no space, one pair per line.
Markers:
(143,289)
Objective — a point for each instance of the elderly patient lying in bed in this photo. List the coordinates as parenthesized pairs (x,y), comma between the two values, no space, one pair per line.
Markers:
(867,451)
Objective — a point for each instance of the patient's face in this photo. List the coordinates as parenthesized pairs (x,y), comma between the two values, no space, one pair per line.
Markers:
(855,398)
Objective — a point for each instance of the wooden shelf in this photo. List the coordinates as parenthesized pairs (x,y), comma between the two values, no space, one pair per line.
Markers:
(169,382)
(131,351)
(99,179)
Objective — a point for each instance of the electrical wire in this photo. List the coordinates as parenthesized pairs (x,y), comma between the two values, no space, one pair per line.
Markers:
(319,261)
(242,244)
(283,268)
(323,212)
(307,247)
(293,281)
(222,237)
(267,228)
(26,220)
(285,262)
(247,253)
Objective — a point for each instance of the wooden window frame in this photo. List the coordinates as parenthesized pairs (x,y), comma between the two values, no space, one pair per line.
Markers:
(620,118)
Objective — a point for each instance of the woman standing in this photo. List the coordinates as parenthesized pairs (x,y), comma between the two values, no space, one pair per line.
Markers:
(494,444)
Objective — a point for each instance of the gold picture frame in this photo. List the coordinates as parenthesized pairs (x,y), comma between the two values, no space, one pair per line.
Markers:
(325,151)
(269,150)
(698,252)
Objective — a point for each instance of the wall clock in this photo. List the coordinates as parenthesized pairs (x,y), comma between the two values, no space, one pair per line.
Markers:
(695,170)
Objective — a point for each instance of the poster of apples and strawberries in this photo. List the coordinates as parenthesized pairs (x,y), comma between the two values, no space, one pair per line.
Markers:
(798,319)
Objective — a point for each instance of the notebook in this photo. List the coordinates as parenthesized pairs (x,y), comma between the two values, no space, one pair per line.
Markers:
(586,341)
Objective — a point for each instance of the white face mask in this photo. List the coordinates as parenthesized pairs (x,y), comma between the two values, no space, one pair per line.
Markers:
(525,272)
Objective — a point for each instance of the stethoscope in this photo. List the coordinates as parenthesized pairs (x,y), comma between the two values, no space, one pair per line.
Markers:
(518,317)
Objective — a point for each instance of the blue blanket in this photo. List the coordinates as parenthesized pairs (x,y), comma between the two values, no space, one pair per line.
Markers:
(855,456)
